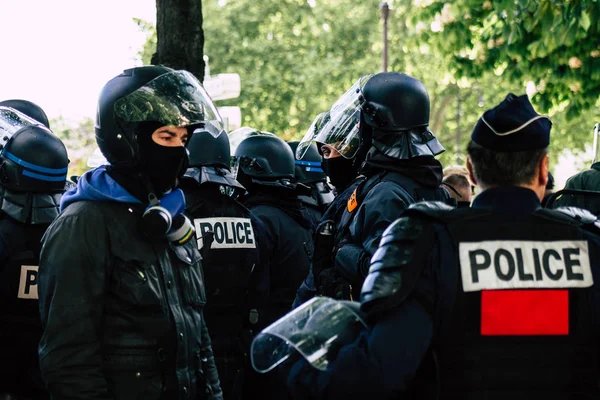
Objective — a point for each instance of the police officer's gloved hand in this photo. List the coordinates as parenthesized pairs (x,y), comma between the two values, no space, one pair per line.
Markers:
(331,284)
(301,379)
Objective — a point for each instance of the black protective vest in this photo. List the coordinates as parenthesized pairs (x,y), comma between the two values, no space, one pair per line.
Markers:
(20,327)
(226,238)
(517,356)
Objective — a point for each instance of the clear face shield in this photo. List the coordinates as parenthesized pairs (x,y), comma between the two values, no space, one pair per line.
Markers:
(12,121)
(340,127)
(173,99)
(316,330)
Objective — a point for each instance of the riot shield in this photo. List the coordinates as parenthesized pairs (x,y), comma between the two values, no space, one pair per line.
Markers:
(316,330)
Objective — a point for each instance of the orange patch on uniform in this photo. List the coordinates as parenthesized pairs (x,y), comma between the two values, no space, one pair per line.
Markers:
(352,203)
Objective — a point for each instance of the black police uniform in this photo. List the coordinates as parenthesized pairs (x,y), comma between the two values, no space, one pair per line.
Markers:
(399,150)
(334,213)
(488,344)
(288,244)
(493,302)
(380,200)
(265,166)
(19,316)
(228,236)
(31,186)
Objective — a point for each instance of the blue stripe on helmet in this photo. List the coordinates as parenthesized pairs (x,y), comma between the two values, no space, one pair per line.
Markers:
(311,169)
(45,177)
(34,167)
(309,163)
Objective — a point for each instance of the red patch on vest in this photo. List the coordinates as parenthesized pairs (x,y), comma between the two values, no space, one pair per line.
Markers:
(524,312)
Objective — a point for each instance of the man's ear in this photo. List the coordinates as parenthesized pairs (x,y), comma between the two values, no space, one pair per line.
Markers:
(543,170)
(471,173)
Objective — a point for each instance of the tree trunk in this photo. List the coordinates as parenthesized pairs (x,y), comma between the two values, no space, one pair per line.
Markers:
(180,38)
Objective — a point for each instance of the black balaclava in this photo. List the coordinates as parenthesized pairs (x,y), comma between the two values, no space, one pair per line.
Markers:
(341,171)
(162,165)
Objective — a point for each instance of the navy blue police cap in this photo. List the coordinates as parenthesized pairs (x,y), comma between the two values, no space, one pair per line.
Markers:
(512,125)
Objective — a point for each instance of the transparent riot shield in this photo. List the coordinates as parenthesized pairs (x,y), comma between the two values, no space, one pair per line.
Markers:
(316,330)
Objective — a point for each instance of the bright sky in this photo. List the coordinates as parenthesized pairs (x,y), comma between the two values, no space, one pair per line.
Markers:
(59,53)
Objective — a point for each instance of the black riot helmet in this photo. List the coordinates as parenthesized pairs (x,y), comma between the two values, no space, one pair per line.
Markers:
(210,157)
(265,159)
(388,111)
(308,170)
(32,159)
(209,146)
(28,108)
(148,94)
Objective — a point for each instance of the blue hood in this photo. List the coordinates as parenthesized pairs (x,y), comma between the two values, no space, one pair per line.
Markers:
(97,185)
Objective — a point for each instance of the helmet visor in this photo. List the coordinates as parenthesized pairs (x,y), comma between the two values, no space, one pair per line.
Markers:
(12,121)
(340,129)
(316,330)
(174,99)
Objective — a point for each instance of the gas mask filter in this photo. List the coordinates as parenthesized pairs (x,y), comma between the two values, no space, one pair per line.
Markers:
(165,218)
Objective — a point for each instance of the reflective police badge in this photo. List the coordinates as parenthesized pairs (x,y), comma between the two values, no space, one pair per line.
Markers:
(227,232)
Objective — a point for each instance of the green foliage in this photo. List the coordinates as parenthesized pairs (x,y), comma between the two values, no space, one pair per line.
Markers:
(79,138)
(296,57)
(294,60)
(145,54)
(553,43)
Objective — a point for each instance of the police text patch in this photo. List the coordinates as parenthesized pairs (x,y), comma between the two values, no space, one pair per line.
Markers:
(28,282)
(508,264)
(226,232)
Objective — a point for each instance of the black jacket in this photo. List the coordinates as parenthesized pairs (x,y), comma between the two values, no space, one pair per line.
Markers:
(289,246)
(391,186)
(228,237)
(122,315)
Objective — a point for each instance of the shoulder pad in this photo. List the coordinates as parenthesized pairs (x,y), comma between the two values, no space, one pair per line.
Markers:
(581,216)
(404,228)
(432,209)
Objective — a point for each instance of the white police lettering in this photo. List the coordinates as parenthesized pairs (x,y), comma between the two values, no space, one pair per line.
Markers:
(227,232)
(28,283)
(516,264)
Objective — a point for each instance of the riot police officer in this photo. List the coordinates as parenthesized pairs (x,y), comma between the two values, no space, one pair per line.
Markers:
(343,175)
(227,236)
(265,167)
(309,172)
(33,171)
(120,280)
(491,302)
(389,138)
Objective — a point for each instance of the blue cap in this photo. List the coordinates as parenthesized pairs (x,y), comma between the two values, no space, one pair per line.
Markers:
(512,125)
